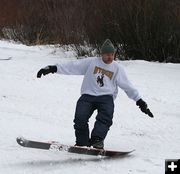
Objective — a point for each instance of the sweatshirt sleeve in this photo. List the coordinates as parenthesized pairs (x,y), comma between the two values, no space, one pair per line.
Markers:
(74,67)
(124,83)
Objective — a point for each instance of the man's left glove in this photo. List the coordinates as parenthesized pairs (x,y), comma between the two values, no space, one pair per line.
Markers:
(144,108)
(47,70)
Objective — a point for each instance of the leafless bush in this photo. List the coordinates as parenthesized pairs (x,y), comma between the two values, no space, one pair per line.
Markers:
(140,29)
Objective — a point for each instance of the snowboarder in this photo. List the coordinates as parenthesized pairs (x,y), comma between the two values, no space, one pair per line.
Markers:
(102,77)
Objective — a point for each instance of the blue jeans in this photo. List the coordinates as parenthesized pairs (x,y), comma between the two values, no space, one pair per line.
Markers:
(85,107)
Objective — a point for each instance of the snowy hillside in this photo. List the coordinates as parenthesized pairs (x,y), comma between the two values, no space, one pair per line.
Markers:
(43,109)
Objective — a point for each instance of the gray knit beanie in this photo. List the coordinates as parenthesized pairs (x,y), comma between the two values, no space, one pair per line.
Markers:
(107,47)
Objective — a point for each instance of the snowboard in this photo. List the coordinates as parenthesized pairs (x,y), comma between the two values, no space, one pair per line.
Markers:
(72,149)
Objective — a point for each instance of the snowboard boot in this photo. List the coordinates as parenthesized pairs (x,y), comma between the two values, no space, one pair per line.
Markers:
(80,145)
(97,142)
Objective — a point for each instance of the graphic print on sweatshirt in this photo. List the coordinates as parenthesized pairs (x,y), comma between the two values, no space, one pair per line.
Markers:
(101,74)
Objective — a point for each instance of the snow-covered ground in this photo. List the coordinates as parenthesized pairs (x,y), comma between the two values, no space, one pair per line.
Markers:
(43,109)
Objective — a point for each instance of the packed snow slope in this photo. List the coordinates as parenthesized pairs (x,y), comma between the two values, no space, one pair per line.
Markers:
(43,109)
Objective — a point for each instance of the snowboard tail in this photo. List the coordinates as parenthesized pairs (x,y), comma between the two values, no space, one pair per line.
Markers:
(72,149)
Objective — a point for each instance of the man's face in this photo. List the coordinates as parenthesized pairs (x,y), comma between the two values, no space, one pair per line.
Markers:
(108,58)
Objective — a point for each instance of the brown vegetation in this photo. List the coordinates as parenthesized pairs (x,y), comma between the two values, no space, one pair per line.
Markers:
(140,29)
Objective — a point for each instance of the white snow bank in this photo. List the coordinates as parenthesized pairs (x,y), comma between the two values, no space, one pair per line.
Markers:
(43,109)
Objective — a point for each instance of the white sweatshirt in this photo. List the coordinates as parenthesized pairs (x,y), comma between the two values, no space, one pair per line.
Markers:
(99,78)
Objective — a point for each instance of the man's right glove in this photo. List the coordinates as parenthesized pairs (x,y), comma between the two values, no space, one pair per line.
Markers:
(144,108)
(47,70)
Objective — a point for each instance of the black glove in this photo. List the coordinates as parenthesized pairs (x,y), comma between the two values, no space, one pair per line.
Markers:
(144,108)
(47,70)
